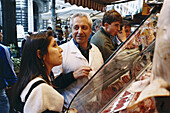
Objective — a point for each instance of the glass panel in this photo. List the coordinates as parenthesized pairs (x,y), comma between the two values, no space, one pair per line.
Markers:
(128,62)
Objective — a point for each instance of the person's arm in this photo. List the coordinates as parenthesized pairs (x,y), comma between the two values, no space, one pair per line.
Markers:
(8,72)
(64,80)
(107,50)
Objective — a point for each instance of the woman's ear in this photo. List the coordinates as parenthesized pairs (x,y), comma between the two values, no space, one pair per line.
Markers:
(38,54)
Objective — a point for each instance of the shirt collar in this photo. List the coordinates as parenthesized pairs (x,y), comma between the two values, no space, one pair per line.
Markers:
(89,46)
(75,43)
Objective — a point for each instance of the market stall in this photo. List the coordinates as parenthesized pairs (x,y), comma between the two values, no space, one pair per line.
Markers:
(67,12)
(107,90)
(99,5)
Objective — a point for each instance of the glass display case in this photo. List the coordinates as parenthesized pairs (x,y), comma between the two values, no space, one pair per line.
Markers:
(130,61)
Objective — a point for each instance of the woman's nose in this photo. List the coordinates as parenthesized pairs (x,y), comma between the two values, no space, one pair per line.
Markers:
(60,49)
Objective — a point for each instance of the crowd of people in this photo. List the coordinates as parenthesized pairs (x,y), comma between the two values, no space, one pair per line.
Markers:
(53,68)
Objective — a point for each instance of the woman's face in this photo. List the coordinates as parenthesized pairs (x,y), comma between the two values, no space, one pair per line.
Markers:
(54,56)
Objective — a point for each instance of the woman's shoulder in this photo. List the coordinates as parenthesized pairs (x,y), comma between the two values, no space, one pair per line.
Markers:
(28,86)
(43,87)
(46,96)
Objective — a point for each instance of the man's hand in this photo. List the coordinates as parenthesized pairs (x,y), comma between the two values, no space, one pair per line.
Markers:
(82,72)
(122,34)
(73,110)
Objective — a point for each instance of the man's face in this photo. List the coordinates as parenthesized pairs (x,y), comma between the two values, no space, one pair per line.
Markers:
(127,30)
(59,35)
(81,30)
(112,28)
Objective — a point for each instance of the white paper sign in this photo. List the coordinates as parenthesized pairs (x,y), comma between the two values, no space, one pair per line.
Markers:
(123,101)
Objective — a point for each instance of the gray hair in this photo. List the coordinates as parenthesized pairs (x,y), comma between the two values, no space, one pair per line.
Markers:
(96,23)
(81,14)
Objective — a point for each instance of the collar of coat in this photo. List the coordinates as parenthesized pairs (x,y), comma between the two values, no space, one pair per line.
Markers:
(89,46)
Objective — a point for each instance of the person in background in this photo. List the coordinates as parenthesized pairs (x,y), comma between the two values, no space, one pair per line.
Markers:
(58,27)
(40,54)
(59,37)
(125,32)
(23,42)
(81,59)
(70,37)
(127,26)
(7,77)
(96,26)
(51,31)
(105,38)
(49,28)
(66,32)
(1,37)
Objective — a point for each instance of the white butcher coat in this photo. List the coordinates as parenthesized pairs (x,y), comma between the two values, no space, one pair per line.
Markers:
(73,60)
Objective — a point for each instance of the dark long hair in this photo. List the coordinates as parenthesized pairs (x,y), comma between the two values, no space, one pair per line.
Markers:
(32,66)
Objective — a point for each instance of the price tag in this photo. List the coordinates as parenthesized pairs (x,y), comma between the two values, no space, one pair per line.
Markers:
(123,101)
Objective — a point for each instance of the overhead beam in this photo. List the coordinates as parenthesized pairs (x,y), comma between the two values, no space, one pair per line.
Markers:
(120,1)
(111,2)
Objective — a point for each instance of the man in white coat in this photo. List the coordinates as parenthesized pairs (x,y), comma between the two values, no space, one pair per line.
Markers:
(81,59)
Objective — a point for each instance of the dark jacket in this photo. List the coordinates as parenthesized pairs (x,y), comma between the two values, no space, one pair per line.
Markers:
(7,74)
(104,42)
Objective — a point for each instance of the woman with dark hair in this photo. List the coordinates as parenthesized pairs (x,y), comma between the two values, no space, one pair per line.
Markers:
(34,86)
